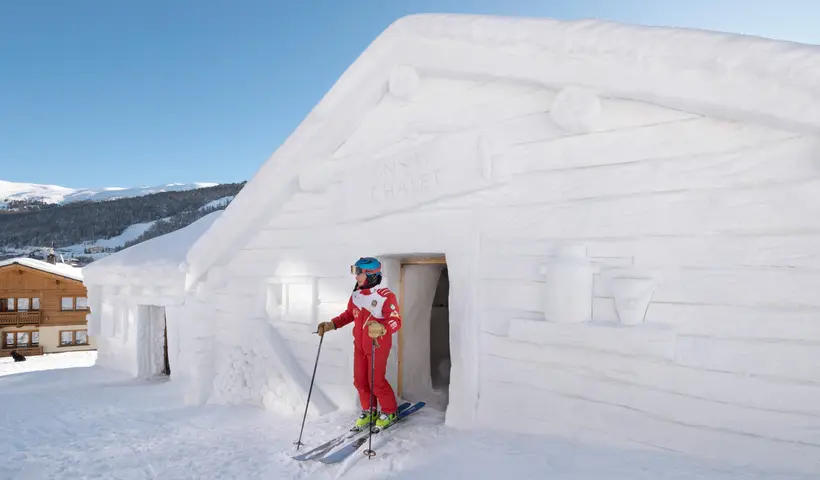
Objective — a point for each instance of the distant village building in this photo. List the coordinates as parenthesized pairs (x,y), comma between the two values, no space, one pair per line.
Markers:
(43,307)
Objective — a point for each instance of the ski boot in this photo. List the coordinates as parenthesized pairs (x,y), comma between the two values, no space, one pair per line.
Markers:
(363,421)
(385,419)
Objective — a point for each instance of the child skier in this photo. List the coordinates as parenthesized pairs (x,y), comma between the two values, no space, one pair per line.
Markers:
(375,313)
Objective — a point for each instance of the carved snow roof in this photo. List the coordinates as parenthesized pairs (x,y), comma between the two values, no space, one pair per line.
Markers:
(736,77)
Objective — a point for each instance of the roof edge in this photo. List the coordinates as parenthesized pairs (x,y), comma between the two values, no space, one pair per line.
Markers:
(754,78)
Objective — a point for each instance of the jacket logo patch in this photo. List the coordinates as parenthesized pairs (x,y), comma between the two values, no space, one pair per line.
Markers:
(374,303)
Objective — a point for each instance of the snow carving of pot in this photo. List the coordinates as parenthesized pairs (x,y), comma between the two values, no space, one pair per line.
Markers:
(632,297)
(567,294)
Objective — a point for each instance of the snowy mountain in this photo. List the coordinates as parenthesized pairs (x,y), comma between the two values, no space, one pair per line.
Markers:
(97,228)
(11,191)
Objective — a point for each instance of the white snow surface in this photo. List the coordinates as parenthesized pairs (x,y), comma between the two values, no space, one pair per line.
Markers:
(68,419)
(49,361)
(62,269)
(163,255)
(219,202)
(132,232)
(59,194)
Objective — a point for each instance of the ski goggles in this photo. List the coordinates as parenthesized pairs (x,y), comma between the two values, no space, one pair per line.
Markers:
(356,270)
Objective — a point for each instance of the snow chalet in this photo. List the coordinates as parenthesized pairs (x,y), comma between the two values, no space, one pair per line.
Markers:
(595,231)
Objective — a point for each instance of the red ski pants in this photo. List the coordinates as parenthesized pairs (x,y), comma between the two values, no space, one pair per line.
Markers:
(361,376)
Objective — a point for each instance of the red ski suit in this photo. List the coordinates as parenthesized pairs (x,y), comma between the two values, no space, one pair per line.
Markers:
(367,305)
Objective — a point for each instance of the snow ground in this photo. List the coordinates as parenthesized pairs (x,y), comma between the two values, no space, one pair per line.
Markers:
(68,419)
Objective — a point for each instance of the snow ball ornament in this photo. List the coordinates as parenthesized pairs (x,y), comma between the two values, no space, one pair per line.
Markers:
(404,82)
(576,110)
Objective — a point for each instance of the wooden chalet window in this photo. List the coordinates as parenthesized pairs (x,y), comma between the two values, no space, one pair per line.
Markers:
(67,303)
(73,303)
(28,304)
(6,304)
(73,337)
(21,339)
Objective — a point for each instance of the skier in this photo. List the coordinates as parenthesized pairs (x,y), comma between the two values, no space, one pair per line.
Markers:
(376,317)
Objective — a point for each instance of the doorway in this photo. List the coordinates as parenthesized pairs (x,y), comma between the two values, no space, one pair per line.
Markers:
(424,339)
(167,370)
(152,341)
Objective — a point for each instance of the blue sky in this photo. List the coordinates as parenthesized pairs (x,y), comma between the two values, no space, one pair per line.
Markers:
(99,93)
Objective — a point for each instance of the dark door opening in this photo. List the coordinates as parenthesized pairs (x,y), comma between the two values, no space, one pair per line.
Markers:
(167,370)
(440,336)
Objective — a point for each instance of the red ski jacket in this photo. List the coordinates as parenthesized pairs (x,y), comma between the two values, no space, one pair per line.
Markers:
(378,304)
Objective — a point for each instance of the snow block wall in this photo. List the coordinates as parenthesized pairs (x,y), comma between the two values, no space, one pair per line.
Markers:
(620,271)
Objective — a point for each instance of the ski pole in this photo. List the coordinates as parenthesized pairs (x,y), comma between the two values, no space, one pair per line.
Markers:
(369,452)
(299,443)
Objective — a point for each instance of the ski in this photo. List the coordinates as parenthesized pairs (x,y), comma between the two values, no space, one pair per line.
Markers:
(334,442)
(351,447)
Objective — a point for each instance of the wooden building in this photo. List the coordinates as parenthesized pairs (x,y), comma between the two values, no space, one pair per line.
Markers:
(43,308)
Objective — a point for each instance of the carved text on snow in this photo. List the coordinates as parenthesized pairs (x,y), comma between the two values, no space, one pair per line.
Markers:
(447,165)
(406,175)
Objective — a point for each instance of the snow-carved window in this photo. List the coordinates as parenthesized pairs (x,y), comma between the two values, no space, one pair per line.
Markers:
(292,299)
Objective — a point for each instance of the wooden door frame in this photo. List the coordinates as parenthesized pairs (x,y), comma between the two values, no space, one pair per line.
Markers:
(420,260)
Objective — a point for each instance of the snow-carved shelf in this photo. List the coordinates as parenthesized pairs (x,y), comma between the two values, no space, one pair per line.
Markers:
(569,288)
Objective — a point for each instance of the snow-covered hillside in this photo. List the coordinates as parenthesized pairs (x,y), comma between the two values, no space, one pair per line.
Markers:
(10,191)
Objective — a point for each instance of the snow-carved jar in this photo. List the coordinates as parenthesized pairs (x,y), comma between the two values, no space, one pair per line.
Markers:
(568,287)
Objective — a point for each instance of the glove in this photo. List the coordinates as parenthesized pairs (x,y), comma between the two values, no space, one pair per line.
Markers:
(325,327)
(376,330)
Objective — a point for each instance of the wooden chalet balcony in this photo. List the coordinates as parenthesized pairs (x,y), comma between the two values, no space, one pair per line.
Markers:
(19,319)
(25,351)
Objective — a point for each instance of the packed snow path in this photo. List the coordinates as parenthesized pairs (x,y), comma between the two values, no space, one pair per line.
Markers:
(71,420)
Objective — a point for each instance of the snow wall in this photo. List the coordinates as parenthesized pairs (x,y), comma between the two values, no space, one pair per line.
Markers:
(130,328)
(620,272)
(135,294)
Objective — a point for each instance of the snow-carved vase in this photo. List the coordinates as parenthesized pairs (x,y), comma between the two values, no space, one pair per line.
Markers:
(567,293)
(632,297)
